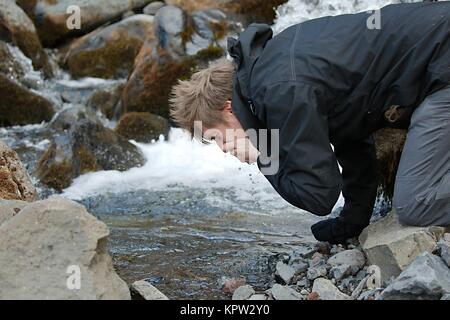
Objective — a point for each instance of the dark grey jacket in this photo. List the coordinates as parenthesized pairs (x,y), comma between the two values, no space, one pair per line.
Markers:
(329,80)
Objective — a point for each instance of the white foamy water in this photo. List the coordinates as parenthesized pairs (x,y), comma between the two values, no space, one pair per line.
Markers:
(296,11)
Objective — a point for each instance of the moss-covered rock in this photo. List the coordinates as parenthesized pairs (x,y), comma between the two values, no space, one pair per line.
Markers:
(109,52)
(18,28)
(107,101)
(142,126)
(260,11)
(149,86)
(86,147)
(20,106)
(8,64)
(389,145)
(50,16)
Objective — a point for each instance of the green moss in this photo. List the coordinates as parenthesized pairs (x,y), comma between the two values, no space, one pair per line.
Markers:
(188,32)
(256,10)
(19,106)
(142,126)
(114,59)
(149,88)
(86,161)
(211,53)
(57,175)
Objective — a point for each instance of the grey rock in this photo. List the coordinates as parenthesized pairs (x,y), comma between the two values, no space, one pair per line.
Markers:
(279,292)
(327,290)
(10,208)
(147,291)
(341,271)
(285,272)
(426,278)
(205,19)
(153,8)
(243,293)
(300,267)
(304,283)
(317,271)
(370,294)
(392,246)
(446,296)
(258,297)
(444,251)
(59,240)
(169,25)
(304,252)
(352,258)
(336,249)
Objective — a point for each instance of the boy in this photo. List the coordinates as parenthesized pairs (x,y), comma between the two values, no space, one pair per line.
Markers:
(336,80)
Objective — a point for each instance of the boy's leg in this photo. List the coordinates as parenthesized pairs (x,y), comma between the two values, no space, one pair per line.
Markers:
(422,187)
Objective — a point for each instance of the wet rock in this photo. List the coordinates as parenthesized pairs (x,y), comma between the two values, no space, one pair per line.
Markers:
(444,251)
(9,65)
(15,184)
(21,106)
(341,271)
(393,247)
(107,100)
(10,208)
(426,278)
(262,11)
(285,272)
(153,7)
(327,290)
(143,290)
(109,52)
(59,240)
(142,126)
(352,258)
(70,116)
(171,30)
(279,292)
(86,147)
(17,27)
(50,17)
(243,293)
(149,86)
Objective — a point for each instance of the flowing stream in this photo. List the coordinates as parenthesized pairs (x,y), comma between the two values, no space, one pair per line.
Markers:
(191,216)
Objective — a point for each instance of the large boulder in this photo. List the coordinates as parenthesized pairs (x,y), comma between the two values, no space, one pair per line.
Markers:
(56,250)
(326,290)
(149,86)
(10,208)
(426,278)
(20,106)
(50,17)
(17,27)
(392,246)
(143,290)
(172,30)
(142,126)
(86,147)
(15,183)
(109,52)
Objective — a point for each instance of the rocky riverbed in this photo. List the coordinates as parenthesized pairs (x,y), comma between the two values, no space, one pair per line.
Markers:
(95,182)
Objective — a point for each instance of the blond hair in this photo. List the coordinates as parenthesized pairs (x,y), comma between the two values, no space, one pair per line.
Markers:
(202,98)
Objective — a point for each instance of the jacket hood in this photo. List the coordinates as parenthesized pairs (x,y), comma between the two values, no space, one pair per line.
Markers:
(245,51)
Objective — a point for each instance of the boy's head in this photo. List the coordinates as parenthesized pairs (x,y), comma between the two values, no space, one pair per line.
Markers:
(206,99)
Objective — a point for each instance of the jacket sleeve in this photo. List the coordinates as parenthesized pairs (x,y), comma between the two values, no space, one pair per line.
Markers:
(308,176)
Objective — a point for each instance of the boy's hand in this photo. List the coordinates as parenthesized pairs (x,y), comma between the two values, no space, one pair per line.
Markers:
(243,149)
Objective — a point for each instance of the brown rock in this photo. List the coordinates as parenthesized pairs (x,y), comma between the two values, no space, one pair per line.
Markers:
(18,28)
(15,183)
(142,126)
(110,52)
(20,106)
